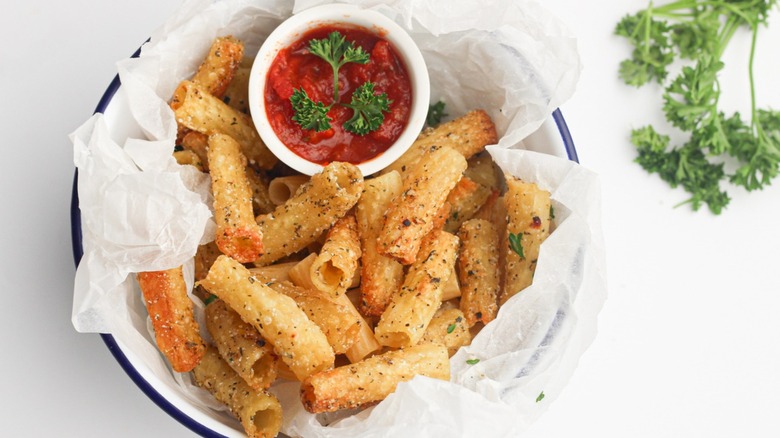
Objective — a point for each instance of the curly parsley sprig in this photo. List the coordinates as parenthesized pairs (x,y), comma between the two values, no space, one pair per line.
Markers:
(367,106)
(309,114)
(700,31)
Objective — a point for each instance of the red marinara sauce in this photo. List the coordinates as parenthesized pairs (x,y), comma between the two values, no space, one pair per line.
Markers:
(294,67)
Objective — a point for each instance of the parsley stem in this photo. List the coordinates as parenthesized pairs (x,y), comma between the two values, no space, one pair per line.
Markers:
(672,7)
(648,18)
(753,115)
(737,12)
(731,26)
(335,84)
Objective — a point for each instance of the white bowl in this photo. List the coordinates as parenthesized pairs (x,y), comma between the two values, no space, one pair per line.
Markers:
(291,30)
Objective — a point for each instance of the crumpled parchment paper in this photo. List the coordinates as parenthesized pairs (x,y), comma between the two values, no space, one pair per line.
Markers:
(141,211)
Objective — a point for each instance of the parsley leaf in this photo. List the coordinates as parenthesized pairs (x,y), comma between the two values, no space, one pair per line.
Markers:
(759,154)
(451,328)
(693,96)
(368,107)
(540,397)
(693,38)
(687,167)
(652,48)
(435,113)
(368,110)
(472,361)
(309,114)
(516,244)
(337,51)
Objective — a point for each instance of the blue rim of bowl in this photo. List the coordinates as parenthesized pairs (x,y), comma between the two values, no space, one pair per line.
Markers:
(113,347)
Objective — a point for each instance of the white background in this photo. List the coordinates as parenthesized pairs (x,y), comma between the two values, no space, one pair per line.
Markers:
(688,338)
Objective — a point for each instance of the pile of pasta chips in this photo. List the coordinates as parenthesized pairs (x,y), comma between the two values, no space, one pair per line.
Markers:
(346,284)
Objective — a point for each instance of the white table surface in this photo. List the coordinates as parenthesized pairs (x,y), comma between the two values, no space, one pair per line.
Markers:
(688,338)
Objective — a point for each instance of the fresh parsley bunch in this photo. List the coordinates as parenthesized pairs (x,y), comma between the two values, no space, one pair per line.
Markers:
(699,31)
(368,108)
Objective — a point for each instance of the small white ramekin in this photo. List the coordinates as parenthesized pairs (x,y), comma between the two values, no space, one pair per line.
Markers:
(291,30)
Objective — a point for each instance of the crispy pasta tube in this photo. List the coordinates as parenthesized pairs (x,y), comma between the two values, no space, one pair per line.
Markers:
(204,258)
(237,93)
(465,200)
(170,310)
(468,135)
(278,271)
(241,346)
(200,111)
(528,225)
(214,74)
(494,211)
(449,328)
(197,143)
(296,339)
(335,266)
(283,188)
(300,272)
(261,202)
(187,157)
(217,70)
(451,289)
(412,214)
(404,321)
(319,203)
(259,412)
(339,325)
(440,218)
(365,343)
(380,276)
(478,271)
(238,234)
(482,170)
(372,379)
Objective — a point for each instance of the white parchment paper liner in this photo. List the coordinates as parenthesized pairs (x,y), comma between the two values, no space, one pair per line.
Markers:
(141,211)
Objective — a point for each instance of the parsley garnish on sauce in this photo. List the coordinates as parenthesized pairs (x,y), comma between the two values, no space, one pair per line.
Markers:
(540,397)
(472,361)
(368,107)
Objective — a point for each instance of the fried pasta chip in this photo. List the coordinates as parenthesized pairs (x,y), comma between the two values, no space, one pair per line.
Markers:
(170,309)
(259,412)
